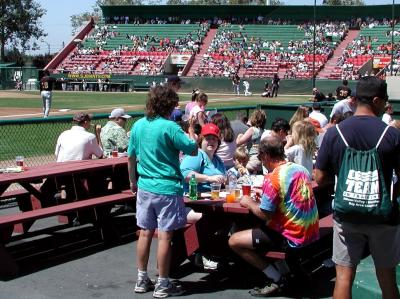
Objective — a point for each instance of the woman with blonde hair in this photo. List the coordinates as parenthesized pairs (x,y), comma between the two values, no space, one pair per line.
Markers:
(252,139)
(302,146)
(300,114)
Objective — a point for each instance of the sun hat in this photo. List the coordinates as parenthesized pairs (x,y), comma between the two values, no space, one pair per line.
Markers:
(210,129)
(119,112)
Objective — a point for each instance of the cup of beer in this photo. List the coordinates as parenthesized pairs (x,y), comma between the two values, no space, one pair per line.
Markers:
(215,189)
(114,152)
(246,189)
(19,161)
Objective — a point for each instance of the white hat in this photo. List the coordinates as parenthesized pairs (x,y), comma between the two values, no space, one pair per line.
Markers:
(119,112)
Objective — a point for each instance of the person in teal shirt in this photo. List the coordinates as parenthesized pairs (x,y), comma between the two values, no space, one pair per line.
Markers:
(206,166)
(154,147)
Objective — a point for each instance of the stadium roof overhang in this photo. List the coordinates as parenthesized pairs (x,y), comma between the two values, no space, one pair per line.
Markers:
(291,12)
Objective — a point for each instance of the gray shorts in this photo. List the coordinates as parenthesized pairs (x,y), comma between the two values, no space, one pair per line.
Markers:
(165,212)
(350,241)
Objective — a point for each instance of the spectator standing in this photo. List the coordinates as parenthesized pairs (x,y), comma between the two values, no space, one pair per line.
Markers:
(236,84)
(46,92)
(239,125)
(252,139)
(275,85)
(192,103)
(346,105)
(78,144)
(113,134)
(227,147)
(288,214)
(154,146)
(343,91)
(198,111)
(174,82)
(387,116)
(352,231)
(300,148)
(318,95)
(318,115)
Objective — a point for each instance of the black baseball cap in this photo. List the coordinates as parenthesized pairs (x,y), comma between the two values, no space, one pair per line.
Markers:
(370,87)
(175,79)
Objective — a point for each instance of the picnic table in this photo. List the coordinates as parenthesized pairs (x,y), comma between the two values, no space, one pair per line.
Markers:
(80,189)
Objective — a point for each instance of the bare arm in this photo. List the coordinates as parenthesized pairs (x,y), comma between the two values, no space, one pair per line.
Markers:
(254,207)
(242,139)
(323,177)
(203,178)
(132,173)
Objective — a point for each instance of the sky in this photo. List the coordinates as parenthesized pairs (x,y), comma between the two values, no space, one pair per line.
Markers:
(57,24)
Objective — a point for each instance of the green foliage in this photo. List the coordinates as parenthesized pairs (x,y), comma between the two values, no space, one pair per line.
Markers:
(19,24)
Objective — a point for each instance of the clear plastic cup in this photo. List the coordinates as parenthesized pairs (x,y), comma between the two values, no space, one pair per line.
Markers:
(19,161)
(215,189)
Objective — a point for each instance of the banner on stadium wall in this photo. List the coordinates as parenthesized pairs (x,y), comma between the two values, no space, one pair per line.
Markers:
(381,62)
(180,59)
(88,76)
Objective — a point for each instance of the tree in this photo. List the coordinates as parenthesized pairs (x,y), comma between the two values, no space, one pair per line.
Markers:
(80,19)
(344,2)
(19,23)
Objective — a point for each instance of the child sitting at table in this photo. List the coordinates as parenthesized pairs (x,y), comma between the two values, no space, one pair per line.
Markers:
(240,158)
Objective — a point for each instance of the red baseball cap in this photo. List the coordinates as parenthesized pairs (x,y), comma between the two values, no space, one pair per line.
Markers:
(210,129)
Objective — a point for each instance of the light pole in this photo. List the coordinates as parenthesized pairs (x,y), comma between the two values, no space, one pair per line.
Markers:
(314,33)
(392,53)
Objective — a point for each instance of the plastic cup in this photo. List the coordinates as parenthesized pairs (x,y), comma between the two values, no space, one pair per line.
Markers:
(237,193)
(114,152)
(19,161)
(246,189)
(215,189)
(230,196)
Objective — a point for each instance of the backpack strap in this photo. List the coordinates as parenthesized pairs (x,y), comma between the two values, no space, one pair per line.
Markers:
(341,135)
(383,134)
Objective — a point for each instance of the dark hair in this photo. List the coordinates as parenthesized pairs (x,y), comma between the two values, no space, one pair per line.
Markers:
(161,101)
(345,82)
(370,87)
(224,126)
(194,94)
(273,147)
(337,117)
(280,124)
(347,114)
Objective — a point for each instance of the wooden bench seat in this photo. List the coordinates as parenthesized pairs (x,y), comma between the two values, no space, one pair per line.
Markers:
(325,228)
(8,220)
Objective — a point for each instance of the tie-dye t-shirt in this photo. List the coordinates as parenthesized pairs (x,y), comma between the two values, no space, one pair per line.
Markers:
(288,194)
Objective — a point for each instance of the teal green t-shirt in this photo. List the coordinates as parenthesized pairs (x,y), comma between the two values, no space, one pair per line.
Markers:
(156,144)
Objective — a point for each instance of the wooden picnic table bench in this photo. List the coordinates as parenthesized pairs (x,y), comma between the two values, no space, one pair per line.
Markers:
(88,190)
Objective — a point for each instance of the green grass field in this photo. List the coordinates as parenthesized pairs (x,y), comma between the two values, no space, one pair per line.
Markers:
(99,101)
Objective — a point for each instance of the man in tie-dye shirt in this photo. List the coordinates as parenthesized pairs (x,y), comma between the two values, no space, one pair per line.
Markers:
(288,209)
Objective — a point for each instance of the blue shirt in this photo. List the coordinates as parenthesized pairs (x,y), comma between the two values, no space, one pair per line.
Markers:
(156,143)
(202,164)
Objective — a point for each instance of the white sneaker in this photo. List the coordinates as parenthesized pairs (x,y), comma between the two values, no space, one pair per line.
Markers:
(209,264)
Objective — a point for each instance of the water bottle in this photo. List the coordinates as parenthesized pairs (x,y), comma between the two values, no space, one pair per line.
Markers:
(193,188)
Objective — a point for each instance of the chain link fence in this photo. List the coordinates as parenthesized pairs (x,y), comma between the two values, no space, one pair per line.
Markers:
(35,139)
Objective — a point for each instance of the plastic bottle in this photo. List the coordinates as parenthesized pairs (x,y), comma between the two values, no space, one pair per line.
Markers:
(193,188)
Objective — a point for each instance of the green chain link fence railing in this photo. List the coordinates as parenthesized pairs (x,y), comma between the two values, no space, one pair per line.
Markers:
(35,139)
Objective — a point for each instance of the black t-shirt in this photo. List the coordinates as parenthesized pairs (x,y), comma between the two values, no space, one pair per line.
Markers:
(343,92)
(275,81)
(46,83)
(361,133)
(319,96)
